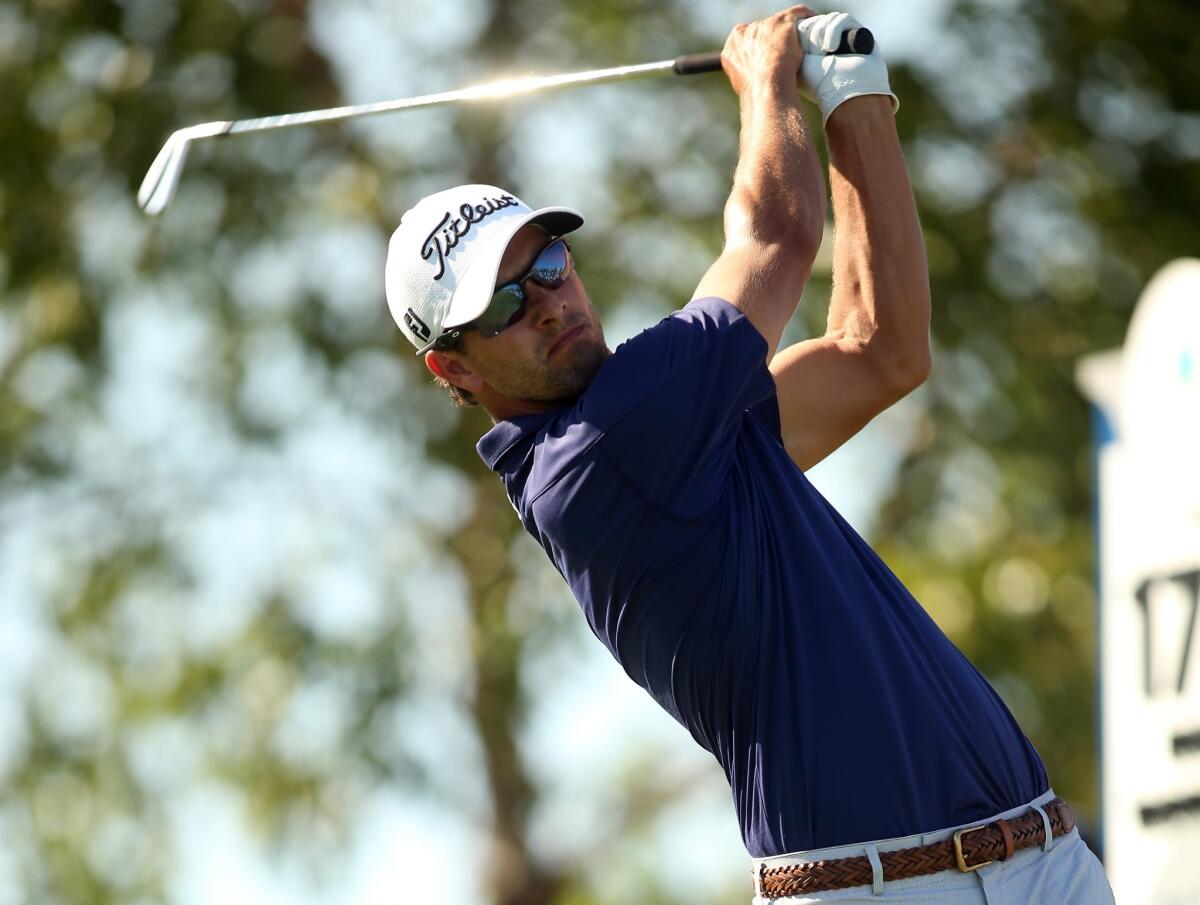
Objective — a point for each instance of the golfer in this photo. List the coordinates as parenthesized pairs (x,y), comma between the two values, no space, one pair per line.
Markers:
(868,760)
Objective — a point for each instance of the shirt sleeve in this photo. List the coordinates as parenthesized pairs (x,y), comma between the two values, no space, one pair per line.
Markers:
(672,401)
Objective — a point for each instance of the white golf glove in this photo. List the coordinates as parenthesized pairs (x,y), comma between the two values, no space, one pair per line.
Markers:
(831,79)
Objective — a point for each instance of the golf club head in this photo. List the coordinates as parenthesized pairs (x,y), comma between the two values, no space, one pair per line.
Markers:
(161,180)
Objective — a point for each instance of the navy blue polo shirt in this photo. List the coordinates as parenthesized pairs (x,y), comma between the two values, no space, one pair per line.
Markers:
(731,591)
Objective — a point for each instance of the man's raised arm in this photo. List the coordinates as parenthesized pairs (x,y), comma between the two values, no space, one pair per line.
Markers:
(875,349)
(776,211)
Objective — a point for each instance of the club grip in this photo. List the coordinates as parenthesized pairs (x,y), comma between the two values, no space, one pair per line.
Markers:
(856,40)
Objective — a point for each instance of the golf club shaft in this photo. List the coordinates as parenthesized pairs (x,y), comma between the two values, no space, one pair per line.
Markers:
(857,40)
(503,88)
(158,186)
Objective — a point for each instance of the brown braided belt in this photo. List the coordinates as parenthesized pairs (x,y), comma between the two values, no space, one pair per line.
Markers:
(968,849)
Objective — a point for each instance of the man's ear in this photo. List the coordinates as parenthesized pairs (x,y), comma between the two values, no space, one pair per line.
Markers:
(452,369)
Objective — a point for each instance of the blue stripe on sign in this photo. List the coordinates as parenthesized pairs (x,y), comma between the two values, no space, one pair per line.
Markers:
(1103,429)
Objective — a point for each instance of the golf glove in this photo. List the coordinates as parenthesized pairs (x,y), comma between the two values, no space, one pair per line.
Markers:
(829,78)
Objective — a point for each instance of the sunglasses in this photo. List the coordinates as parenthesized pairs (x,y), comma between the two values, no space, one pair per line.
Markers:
(550,269)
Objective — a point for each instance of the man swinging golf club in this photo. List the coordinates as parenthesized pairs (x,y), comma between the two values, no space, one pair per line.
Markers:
(869,761)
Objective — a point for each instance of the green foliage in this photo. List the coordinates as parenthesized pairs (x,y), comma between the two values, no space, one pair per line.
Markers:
(249,554)
(123,704)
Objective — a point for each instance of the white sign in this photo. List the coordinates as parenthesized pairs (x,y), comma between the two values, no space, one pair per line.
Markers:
(1150,595)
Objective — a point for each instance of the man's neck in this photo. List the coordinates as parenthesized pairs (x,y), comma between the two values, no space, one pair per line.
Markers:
(502,408)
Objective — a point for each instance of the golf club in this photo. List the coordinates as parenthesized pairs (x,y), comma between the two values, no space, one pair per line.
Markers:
(161,180)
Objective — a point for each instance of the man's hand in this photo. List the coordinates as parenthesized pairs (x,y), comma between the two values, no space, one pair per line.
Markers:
(766,52)
(832,79)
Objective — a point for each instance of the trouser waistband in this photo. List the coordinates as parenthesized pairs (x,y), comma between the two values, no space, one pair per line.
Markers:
(965,848)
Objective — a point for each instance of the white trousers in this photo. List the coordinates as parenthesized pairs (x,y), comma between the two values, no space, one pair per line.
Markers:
(1063,873)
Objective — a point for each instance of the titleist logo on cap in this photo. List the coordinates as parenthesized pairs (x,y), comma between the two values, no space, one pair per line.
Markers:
(450,230)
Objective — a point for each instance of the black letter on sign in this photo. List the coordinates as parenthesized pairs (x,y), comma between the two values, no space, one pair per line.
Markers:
(1191,583)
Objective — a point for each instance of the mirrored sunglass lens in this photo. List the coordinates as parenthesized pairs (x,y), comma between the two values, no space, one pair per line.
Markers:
(503,310)
(553,265)
(551,269)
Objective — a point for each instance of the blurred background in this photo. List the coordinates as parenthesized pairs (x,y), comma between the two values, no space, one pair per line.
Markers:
(270,631)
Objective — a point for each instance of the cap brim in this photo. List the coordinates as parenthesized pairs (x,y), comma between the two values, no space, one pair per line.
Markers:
(474,292)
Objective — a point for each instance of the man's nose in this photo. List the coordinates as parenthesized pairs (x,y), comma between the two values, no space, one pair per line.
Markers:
(546,306)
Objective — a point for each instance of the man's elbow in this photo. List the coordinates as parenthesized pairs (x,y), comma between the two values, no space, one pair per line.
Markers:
(801,230)
(796,229)
(898,365)
(905,370)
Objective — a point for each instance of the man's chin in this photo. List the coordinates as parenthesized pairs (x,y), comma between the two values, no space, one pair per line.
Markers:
(586,363)
(569,381)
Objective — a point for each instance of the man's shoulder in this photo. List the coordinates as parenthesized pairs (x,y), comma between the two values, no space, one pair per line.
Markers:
(645,364)
(699,323)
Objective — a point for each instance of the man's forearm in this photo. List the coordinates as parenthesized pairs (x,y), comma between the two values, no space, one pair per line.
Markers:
(778,188)
(774,216)
(776,210)
(880,278)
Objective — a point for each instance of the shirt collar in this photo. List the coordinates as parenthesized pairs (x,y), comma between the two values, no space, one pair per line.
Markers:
(504,435)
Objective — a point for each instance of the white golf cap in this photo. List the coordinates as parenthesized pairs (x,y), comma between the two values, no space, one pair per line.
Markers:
(444,256)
